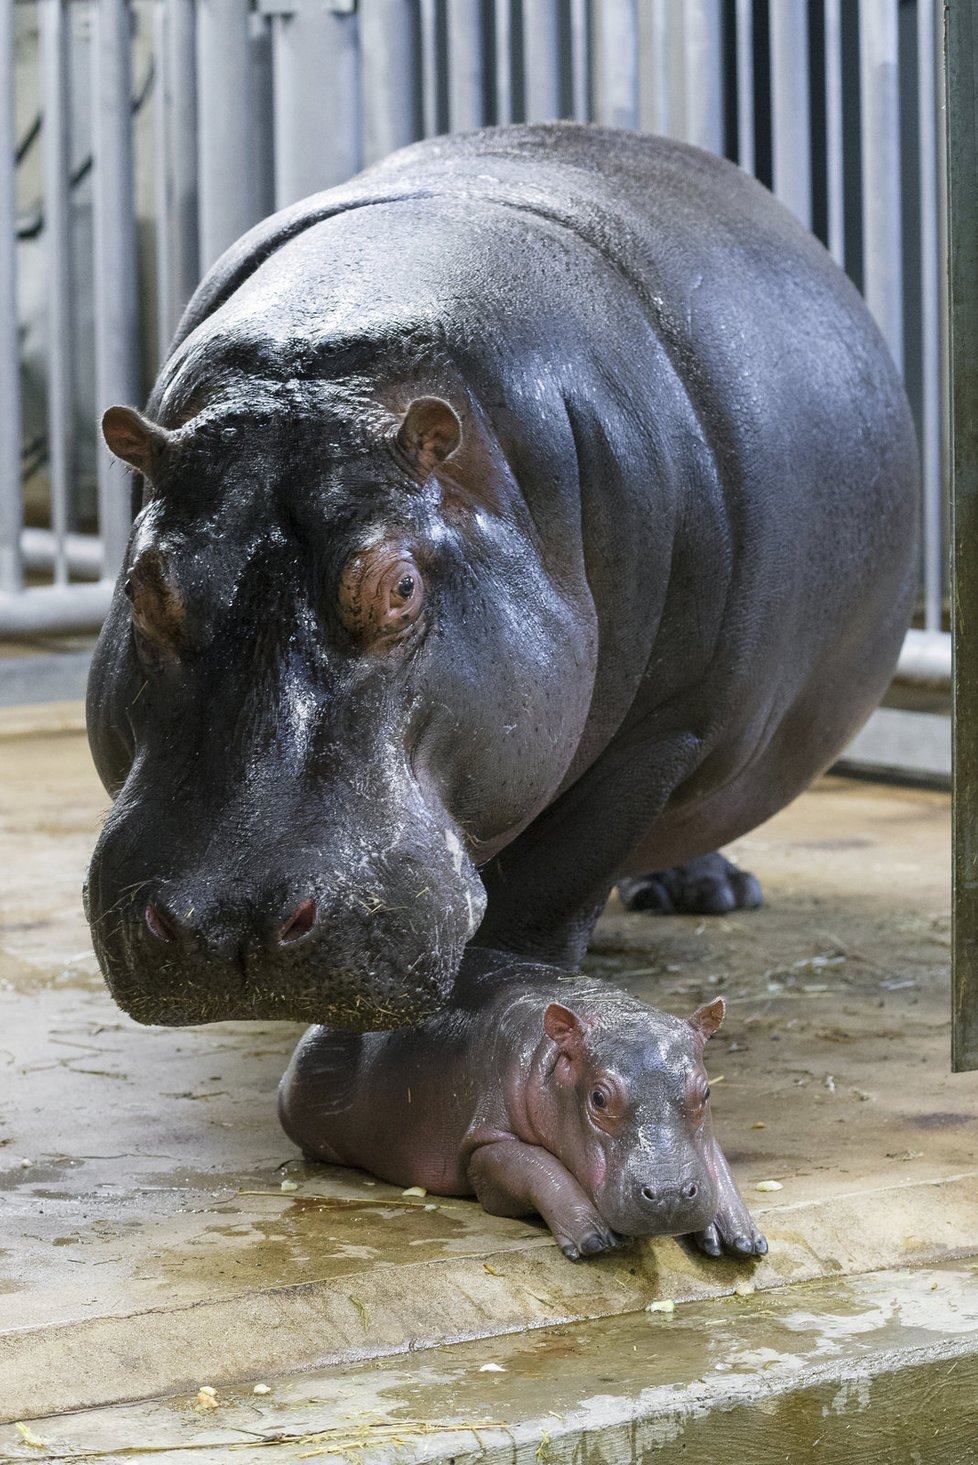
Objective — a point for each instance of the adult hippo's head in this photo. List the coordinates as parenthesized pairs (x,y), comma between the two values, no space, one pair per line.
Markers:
(337,676)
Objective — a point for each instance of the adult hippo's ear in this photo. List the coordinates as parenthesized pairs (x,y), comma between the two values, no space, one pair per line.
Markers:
(429,433)
(564,1027)
(706,1019)
(134,439)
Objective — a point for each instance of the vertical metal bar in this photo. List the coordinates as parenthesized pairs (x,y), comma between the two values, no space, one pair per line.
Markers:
(880,112)
(961,52)
(466,102)
(541,60)
(744,23)
(116,301)
(503,20)
(176,163)
(11,512)
(55,198)
(429,67)
(615,37)
(676,69)
(389,67)
(930,426)
(580,26)
(223,111)
(944,296)
(834,139)
(316,63)
(653,105)
(791,143)
(704,74)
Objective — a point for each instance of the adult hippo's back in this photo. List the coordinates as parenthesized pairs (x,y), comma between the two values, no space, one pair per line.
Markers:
(534,510)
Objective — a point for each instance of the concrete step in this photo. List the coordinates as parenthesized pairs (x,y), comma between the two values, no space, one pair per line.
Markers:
(863,1370)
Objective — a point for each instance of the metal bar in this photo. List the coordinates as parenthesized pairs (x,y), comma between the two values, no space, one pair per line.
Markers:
(429,68)
(226,207)
(704,74)
(744,23)
(834,136)
(177,253)
(925,661)
(880,99)
(930,330)
(541,61)
(580,28)
(615,74)
(791,143)
(55,196)
(466,102)
(961,51)
(51,610)
(316,65)
(389,66)
(11,511)
(84,551)
(653,66)
(503,21)
(116,301)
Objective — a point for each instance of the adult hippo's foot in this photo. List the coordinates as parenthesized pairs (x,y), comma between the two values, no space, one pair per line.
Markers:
(708,886)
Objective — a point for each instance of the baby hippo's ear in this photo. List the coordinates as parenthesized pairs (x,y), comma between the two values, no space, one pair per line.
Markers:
(706,1019)
(565,1029)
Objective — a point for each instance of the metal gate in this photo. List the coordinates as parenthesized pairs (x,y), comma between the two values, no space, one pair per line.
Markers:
(139,138)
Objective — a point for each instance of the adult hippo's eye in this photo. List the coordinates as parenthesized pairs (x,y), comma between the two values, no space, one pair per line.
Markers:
(381,595)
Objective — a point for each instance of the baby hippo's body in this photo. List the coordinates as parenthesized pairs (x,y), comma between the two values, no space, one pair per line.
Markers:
(535,1091)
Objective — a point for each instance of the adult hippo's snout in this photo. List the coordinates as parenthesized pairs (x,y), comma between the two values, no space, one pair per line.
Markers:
(326,941)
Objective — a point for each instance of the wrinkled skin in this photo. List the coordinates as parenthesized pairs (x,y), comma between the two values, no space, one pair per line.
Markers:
(536,510)
(535,1091)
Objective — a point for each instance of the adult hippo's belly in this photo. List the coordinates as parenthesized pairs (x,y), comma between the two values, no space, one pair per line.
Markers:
(534,510)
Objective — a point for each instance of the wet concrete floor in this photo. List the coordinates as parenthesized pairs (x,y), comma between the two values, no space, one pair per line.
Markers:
(146,1244)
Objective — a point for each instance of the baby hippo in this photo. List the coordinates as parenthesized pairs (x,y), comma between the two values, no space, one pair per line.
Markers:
(535,1091)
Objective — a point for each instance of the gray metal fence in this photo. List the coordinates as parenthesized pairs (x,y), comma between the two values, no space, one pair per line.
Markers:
(138,138)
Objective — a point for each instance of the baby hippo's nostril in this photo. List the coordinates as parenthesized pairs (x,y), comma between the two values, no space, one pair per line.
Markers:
(159,925)
(299,924)
(648,1192)
(690,1191)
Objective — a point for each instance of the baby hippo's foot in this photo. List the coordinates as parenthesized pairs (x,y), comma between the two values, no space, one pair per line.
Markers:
(585,1236)
(716,1239)
(708,886)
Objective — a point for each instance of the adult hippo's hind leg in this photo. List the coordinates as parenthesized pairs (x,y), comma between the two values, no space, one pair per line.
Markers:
(708,886)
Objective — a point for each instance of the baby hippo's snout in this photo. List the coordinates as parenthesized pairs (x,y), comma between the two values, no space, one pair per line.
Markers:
(656,1207)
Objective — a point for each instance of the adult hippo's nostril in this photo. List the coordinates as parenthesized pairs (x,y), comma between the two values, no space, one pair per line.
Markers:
(298,924)
(163,927)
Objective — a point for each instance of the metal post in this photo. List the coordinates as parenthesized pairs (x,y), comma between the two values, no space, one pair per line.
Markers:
(11,514)
(466,102)
(581,59)
(430,38)
(704,74)
(930,328)
(541,61)
(961,50)
(744,22)
(880,97)
(791,143)
(223,130)
(653,75)
(834,139)
(503,39)
(116,303)
(177,257)
(316,65)
(615,75)
(55,198)
(389,68)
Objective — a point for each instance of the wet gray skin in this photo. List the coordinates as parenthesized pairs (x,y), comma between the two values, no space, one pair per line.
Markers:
(535,1091)
(535,510)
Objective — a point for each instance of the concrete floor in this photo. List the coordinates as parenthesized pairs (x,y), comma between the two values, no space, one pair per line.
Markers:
(146,1245)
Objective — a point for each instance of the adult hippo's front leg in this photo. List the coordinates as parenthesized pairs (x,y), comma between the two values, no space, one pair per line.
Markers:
(711,885)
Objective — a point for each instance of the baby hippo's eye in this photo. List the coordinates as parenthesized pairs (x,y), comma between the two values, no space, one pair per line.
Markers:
(381,594)
(706,1093)
(599,1099)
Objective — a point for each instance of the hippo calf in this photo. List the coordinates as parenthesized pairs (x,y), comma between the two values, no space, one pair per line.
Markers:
(534,1091)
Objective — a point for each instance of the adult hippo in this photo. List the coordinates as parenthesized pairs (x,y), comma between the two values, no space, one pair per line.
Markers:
(535,510)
